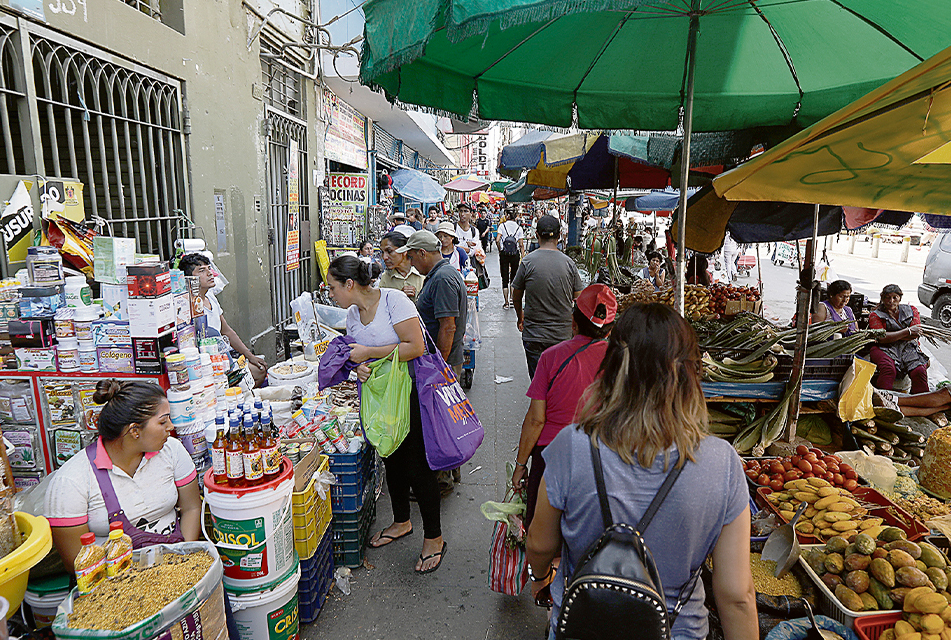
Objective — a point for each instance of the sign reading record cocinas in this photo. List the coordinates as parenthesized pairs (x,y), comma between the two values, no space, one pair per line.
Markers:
(348,187)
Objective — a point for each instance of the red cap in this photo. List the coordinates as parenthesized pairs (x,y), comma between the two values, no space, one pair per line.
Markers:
(115,525)
(88,538)
(598,304)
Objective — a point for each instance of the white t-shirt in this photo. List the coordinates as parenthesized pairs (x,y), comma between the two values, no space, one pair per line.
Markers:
(465,237)
(394,307)
(213,311)
(510,228)
(148,498)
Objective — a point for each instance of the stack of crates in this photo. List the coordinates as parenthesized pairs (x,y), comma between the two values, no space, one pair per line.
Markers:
(313,542)
(353,502)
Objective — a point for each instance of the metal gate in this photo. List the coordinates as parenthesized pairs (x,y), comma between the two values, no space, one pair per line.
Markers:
(286,285)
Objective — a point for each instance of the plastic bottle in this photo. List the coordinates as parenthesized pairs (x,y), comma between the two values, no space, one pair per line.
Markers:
(118,550)
(234,455)
(218,452)
(253,463)
(90,564)
(270,452)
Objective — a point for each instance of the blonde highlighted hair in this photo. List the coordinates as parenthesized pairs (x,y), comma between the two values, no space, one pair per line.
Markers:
(647,395)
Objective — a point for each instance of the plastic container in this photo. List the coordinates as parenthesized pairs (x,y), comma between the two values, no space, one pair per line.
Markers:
(181,405)
(88,357)
(82,321)
(67,355)
(253,529)
(311,515)
(192,362)
(270,613)
(872,627)
(354,472)
(829,604)
(63,322)
(118,550)
(192,436)
(317,576)
(351,532)
(90,564)
(77,292)
(15,567)
(42,598)
(45,266)
(176,369)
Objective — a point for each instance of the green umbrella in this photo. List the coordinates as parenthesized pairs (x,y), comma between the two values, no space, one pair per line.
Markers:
(642,64)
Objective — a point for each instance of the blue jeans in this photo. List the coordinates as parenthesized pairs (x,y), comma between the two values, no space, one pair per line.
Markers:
(533,351)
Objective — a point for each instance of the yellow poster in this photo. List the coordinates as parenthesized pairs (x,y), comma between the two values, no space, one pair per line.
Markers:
(323,259)
(17,223)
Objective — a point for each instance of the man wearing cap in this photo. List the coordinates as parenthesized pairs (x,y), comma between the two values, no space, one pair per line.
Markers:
(550,283)
(442,305)
(564,372)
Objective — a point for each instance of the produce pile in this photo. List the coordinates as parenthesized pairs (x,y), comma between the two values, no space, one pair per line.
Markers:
(805,463)
(765,581)
(886,436)
(137,594)
(832,511)
(641,291)
(729,370)
(886,572)
(720,294)
(697,301)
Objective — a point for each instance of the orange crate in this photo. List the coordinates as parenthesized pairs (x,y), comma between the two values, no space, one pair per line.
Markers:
(872,627)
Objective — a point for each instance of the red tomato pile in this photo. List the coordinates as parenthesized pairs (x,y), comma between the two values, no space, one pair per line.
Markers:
(805,463)
(720,294)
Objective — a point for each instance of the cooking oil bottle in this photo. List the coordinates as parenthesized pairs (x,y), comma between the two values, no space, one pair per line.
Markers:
(90,564)
(253,463)
(234,455)
(219,452)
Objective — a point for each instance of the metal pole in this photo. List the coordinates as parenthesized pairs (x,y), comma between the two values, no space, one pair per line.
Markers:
(804,301)
(614,199)
(685,163)
(759,272)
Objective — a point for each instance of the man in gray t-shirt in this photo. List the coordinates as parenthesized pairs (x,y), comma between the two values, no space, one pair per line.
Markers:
(550,283)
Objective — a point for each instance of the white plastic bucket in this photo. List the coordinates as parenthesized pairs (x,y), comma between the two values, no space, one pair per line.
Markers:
(276,377)
(43,607)
(253,529)
(271,614)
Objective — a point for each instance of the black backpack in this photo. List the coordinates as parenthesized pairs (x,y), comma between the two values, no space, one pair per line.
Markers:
(509,243)
(615,591)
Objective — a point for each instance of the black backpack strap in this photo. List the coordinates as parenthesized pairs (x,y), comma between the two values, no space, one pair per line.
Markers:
(567,360)
(659,498)
(599,483)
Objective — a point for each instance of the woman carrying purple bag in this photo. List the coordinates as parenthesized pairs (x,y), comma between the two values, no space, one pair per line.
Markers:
(380,320)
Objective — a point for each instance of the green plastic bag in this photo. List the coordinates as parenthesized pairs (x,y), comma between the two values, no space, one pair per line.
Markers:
(384,403)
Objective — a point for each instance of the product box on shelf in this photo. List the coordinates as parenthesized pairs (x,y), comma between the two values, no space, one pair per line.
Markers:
(25,481)
(110,332)
(115,359)
(147,353)
(178,281)
(149,280)
(24,453)
(109,254)
(193,289)
(35,359)
(41,302)
(115,299)
(185,337)
(183,310)
(151,317)
(66,444)
(60,402)
(31,333)
(9,310)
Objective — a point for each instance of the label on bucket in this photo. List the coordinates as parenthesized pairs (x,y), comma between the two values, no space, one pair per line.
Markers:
(242,564)
(282,623)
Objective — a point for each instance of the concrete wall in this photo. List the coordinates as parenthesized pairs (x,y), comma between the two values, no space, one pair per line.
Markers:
(226,146)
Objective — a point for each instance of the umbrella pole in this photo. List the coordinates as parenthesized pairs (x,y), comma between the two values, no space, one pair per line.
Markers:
(685,164)
(803,302)
(614,199)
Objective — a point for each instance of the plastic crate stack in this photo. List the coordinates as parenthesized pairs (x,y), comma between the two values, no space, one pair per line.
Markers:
(353,503)
(313,542)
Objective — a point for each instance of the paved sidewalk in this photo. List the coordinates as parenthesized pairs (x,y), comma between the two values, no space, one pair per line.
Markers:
(389,600)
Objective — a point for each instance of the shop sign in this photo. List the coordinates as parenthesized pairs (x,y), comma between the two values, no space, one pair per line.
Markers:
(62,199)
(17,223)
(345,213)
(292,257)
(346,132)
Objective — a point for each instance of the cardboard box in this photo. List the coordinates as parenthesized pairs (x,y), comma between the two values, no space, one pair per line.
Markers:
(108,255)
(186,337)
(734,307)
(304,470)
(183,310)
(32,359)
(115,359)
(178,281)
(147,353)
(151,317)
(115,300)
(194,296)
(31,333)
(111,333)
(151,280)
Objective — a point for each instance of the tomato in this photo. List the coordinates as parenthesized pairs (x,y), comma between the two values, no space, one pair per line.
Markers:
(805,466)
(787,465)
(818,452)
(850,485)
(820,465)
(851,475)
(833,467)
(830,460)
(843,467)
(829,476)
(792,474)
(762,479)
(809,474)
(838,479)
(776,485)
(811,457)
(802,450)
(776,467)
(795,460)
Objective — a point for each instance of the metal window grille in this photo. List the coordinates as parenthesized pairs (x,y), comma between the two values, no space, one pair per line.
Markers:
(151,8)
(385,144)
(12,100)
(282,86)
(286,285)
(118,131)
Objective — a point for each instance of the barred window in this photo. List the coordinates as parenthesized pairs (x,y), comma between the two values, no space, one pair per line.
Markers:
(282,86)
(11,102)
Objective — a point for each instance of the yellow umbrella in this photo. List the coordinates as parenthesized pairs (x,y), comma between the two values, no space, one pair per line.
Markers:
(891,149)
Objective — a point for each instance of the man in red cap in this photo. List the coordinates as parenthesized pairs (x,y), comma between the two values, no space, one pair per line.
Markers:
(564,372)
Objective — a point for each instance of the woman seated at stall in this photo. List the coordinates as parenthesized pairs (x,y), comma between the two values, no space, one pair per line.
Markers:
(697,272)
(897,352)
(836,308)
(654,271)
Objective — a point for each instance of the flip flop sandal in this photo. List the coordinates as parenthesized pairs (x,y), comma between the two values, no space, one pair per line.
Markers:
(441,553)
(389,538)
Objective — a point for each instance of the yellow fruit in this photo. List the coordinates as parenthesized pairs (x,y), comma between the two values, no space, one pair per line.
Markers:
(818,482)
(826,502)
(824,492)
(931,623)
(869,523)
(806,496)
(841,506)
(911,598)
(845,525)
(836,516)
(902,628)
(930,602)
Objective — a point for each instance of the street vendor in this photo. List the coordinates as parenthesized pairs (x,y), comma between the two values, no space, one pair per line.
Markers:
(654,271)
(836,308)
(897,352)
(134,474)
(195,264)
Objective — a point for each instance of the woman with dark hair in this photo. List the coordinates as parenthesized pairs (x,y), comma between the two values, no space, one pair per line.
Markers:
(897,352)
(134,473)
(654,271)
(697,270)
(646,414)
(381,320)
(563,373)
(399,274)
(837,308)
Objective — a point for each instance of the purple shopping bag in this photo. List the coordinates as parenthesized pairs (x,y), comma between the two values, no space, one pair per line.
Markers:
(451,430)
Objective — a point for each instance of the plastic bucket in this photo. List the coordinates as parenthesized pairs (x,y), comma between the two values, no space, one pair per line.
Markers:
(270,614)
(253,529)
(43,607)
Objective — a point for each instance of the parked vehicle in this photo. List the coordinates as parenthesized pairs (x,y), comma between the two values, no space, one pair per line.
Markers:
(935,289)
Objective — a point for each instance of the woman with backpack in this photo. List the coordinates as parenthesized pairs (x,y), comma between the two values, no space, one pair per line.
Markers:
(642,423)
(511,242)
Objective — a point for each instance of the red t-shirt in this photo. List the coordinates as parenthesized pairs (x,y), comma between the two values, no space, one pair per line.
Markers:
(561,401)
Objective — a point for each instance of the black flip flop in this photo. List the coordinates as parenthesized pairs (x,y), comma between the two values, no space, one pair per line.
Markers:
(386,536)
(441,553)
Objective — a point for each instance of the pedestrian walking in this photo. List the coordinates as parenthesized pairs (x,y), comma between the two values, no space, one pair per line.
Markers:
(448,239)
(511,244)
(548,281)
(483,225)
(381,320)
(466,232)
(731,252)
(399,274)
